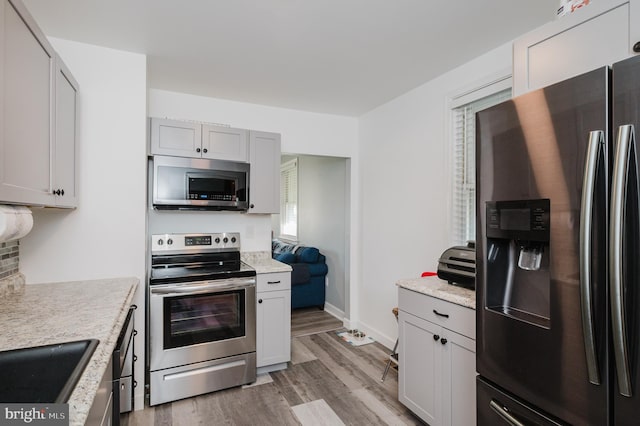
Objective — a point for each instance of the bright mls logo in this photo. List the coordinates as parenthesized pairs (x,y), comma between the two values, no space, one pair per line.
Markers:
(36,414)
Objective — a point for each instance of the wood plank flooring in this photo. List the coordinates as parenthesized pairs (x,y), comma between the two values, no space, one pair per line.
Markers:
(312,320)
(327,382)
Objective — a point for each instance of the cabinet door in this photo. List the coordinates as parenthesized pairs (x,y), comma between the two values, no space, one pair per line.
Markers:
(264,179)
(419,367)
(273,334)
(593,36)
(27,65)
(65,160)
(458,391)
(177,138)
(224,143)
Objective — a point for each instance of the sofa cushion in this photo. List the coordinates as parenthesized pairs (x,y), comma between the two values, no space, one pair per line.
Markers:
(300,273)
(318,269)
(285,257)
(307,254)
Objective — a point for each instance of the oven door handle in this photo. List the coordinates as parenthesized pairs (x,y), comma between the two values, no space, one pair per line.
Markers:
(205,287)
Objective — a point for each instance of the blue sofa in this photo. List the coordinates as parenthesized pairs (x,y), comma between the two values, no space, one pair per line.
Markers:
(309,271)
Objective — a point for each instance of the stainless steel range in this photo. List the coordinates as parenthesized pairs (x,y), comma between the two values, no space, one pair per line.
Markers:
(202,316)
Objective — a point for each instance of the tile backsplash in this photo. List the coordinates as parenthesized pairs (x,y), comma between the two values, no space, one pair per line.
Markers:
(9,258)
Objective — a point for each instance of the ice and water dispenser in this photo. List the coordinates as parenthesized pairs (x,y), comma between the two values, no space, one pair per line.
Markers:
(517,263)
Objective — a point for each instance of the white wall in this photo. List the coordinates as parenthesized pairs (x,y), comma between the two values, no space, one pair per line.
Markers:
(323,214)
(105,236)
(405,168)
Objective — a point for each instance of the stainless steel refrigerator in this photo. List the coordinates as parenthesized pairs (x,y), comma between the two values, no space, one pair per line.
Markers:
(558,253)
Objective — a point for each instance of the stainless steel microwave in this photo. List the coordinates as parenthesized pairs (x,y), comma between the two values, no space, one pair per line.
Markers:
(199,184)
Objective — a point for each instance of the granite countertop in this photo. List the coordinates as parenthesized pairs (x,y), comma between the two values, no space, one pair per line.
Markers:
(434,286)
(262,262)
(42,314)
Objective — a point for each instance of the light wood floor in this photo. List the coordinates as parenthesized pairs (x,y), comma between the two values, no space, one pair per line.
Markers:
(305,321)
(327,382)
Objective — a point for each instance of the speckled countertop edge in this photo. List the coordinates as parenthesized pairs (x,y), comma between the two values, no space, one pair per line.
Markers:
(262,262)
(65,312)
(434,286)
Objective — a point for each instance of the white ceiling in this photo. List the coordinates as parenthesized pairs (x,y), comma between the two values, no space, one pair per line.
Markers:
(333,56)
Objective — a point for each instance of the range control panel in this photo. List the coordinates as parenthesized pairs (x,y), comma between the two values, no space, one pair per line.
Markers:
(222,241)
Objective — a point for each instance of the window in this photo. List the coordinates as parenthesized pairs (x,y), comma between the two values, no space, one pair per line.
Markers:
(464,164)
(289,199)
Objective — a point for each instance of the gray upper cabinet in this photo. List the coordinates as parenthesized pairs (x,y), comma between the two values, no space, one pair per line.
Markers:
(224,143)
(27,120)
(177,138)
(65,182)
(197,140)
(264,179)
(593,36)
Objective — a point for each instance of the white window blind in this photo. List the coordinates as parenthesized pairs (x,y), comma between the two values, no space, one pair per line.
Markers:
(464,165)
(289,199)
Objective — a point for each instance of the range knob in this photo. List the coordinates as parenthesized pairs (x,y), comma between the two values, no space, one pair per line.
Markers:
(160,242)
(217,240)
(169,241)
(225,240)
(233,239)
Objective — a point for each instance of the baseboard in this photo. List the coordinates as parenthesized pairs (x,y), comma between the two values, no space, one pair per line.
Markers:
(330,309)
(383,339)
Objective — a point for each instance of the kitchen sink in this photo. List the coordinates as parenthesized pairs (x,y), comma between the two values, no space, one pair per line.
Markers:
(43,374)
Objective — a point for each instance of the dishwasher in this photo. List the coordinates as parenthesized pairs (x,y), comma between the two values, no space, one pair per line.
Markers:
(123,361)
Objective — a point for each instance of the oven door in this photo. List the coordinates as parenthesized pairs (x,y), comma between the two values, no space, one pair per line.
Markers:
(200,321)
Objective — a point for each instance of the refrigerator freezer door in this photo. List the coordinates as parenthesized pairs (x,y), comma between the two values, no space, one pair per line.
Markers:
(496,408)
(626,113)
(529,322)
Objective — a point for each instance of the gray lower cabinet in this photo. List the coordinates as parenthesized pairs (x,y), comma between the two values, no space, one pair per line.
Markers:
(264,179)
(29,159)
(437,361)
(273,321)
(101,411)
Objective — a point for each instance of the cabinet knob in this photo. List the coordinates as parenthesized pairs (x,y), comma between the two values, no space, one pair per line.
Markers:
(636,47)
(204,150)
(197,149)
(56,192)
(436,337)
(251,206)
(62,192)
(259,300)
(443,341)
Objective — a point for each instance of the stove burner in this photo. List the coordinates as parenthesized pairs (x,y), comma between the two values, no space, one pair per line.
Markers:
(178,258)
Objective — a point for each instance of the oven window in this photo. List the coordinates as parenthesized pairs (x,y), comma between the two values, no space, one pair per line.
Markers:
(201,318)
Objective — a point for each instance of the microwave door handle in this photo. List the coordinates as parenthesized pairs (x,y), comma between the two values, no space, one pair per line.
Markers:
(625,157)
(594,152)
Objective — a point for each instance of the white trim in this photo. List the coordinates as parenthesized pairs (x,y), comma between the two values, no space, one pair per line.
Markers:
(288,166)
(480,89)
(333,311)
(384,340)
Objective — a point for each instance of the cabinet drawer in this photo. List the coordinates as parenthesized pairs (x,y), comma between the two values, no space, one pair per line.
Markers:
(273,282)
(446,314)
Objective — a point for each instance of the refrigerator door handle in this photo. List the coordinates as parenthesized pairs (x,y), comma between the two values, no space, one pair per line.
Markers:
(625,154)
(504,413)
(594,151)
